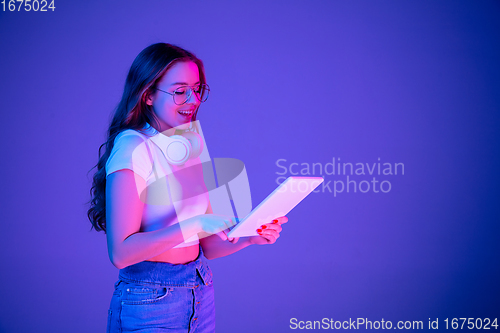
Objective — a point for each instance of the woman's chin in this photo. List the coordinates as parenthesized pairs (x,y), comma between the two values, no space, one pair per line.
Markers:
(184,125)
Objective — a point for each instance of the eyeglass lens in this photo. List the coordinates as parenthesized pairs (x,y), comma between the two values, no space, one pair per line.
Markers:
(182,94)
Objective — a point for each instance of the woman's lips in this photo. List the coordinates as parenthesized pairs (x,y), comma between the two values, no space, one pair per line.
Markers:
(186,113)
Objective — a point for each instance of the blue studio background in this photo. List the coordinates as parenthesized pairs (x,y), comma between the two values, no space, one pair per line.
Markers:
(412,82)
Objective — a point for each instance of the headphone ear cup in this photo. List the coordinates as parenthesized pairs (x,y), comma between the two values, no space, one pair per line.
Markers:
(178,150)
(196,143)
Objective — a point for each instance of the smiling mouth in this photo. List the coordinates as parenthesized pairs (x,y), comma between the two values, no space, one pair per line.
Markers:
(186,113)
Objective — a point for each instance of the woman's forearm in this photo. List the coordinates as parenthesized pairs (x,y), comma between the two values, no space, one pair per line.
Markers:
(214,247)
(141,246)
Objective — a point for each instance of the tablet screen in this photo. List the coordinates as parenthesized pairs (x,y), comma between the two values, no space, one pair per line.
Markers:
(279,203)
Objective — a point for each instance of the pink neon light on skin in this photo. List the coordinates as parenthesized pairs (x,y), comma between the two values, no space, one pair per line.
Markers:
(180,74)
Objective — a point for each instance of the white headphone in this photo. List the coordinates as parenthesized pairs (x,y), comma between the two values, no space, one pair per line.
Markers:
(178,149)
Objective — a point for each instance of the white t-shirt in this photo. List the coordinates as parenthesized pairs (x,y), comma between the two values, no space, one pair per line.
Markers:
(172,193)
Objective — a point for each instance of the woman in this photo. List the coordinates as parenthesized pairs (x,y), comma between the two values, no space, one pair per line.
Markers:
(161,248)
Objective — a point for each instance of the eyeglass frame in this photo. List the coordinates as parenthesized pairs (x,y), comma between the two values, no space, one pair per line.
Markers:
(191,90)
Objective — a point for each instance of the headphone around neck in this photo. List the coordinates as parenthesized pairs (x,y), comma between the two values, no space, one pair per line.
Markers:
(178,149)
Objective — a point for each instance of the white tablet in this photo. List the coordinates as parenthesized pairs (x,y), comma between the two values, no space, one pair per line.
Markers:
(281,201)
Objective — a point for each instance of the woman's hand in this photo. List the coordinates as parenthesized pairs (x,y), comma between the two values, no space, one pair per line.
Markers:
(269,232)
(216,224)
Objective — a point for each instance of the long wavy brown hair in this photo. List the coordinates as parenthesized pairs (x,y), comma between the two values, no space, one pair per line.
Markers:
(132,112)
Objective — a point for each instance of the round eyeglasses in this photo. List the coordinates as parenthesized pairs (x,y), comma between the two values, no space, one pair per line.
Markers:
(183,93)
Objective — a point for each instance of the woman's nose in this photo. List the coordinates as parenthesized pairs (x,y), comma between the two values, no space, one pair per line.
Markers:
(192,98)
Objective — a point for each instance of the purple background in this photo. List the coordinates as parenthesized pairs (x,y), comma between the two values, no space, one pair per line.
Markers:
(413,82)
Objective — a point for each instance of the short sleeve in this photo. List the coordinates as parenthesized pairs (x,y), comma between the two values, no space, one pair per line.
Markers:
(130,152)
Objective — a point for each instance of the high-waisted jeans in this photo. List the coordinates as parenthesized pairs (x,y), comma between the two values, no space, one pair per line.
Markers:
(163,297)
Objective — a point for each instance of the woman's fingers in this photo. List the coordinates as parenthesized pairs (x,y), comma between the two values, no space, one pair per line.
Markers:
(270,234)
(270,237)
(272,226)
(280,220)
(233,221)
(233,240)
(271,231)
(227,224)
(222,235)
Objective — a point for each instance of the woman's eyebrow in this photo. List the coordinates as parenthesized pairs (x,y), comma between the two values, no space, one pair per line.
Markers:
(183,84)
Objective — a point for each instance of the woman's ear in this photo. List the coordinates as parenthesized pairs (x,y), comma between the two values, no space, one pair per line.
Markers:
(148,97)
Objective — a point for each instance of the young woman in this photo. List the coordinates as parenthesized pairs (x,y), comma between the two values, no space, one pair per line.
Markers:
(161,248)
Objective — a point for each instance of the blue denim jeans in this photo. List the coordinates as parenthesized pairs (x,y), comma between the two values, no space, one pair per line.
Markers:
(163,297)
